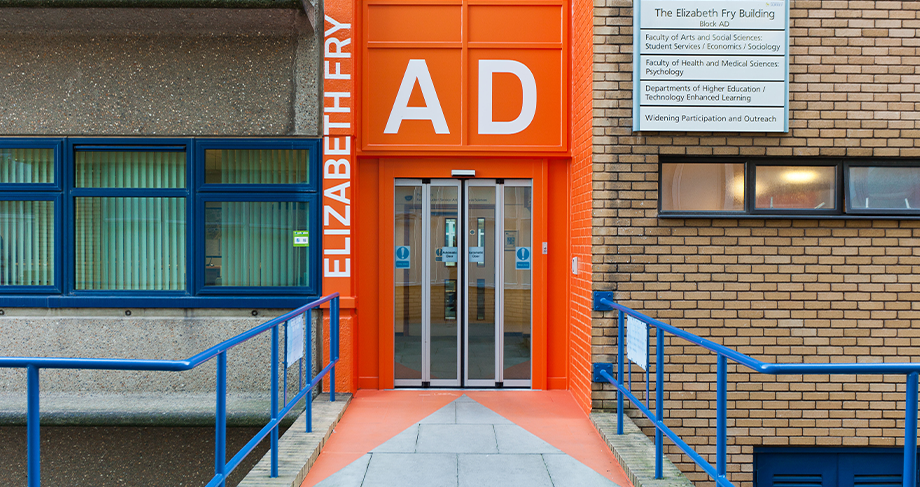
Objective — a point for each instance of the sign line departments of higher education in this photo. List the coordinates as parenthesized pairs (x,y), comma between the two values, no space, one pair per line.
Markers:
(722,68)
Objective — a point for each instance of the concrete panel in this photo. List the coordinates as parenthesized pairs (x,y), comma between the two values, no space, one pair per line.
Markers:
(158,72)
(144,335)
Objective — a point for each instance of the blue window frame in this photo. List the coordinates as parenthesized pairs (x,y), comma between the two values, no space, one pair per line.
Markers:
(121,222)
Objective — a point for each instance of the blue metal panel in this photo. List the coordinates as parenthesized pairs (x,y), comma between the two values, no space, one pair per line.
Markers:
(797,468)
(838,467)
(599,305)
(598,368)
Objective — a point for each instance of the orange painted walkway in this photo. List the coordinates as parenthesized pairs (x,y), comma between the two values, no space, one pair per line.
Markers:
(374,417)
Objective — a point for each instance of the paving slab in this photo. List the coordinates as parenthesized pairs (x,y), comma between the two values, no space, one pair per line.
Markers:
(350,476)
(511,438)
(404,442)
(503,471)
(456,438)
(411,469)
(565,471)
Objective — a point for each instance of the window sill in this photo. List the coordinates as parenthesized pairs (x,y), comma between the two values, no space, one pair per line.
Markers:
(154,302)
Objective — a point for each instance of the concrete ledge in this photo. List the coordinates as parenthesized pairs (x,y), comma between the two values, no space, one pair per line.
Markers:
(139,410)
(636,453)
(297,449)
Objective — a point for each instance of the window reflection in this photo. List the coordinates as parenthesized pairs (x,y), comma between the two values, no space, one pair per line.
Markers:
(795,187)
(702,187)
(888,188)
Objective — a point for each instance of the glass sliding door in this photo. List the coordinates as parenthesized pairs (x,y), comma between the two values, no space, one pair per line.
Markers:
(481,278)
(443,273)
(426,261)
(462,276)
(517,219)
(407,365)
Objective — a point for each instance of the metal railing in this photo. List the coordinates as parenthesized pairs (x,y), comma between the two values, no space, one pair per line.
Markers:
(603,301)
(222,468)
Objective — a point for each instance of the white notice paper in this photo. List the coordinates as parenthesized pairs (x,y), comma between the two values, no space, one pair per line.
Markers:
(637,342)
(294,338)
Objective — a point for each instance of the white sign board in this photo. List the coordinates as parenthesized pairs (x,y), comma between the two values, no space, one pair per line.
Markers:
(294,339)
(637,342)
(449,254)
(477,255)
(711,66)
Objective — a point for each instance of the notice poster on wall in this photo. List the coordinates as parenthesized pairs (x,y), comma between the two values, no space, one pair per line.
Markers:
(637,342)
(294,339)
(711,66)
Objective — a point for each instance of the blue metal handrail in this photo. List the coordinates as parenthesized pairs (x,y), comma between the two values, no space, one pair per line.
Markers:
(603,301)
(222,468)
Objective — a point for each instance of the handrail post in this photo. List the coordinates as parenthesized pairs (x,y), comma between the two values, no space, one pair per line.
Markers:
(333,344)
(33,435)
(274,405)
(721,413)
(659,401)
(910,432)
(220,426)
(308,348)
(621,325)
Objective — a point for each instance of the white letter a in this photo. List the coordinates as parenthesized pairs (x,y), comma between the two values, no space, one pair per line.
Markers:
(417,71)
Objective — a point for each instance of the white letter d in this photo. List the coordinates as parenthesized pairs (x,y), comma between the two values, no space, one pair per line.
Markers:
(528,107)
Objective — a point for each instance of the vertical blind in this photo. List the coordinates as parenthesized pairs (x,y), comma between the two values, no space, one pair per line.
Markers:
(130,243)
(26,166)
(127,244)
(129,169)
(237,166)
(256,243)
(26,243)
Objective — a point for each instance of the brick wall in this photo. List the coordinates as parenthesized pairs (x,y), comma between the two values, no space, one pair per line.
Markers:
(784,290)
(581,193)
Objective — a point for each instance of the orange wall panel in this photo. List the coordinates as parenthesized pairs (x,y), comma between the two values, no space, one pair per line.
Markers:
(368,274)
(482,77)
(408,23)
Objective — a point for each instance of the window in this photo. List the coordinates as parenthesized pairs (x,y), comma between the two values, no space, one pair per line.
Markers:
(30,207)
(159,222)
(792,187)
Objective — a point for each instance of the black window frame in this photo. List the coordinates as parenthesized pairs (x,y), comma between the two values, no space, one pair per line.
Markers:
(842,208)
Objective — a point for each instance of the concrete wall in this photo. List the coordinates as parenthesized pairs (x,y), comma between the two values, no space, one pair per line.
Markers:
(149,72)
(157,72)
(781,290)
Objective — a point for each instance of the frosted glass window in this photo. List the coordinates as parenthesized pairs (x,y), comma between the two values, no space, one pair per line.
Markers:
(796,187)
(884,188)
(702,187)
